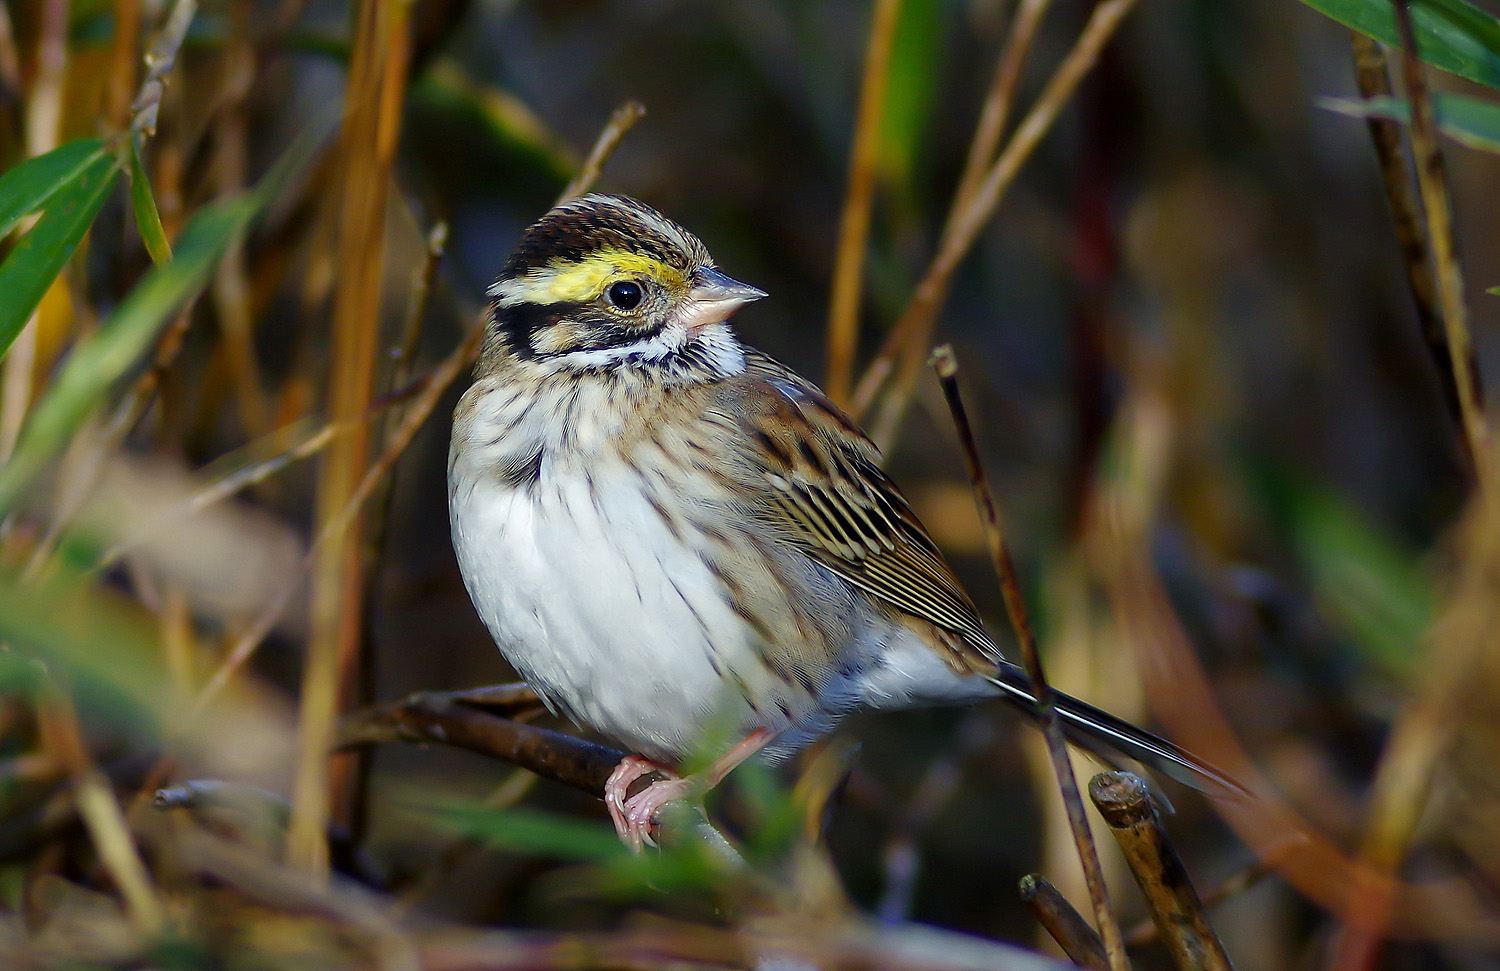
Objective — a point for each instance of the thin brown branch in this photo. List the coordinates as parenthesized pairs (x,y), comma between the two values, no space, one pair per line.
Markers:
(901,355)
(1125,803)
(623,119)
(1002,95)
(1432,183)
(1373,73)
(1063,922)
(854,226)
(448,719)
(1183,697)
(946,366)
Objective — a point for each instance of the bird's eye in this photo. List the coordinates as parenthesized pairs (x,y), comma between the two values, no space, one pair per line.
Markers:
(625,294)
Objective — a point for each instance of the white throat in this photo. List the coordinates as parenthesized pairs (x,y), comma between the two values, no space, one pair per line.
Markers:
(714,346)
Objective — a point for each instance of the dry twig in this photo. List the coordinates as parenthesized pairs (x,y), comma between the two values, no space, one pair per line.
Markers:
(1372,72)
(1063,922)
(452,719)
(1432,184)
(901,354)
(1125,803)
(946,366)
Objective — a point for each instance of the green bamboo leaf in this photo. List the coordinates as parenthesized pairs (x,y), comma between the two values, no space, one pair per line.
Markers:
(1468,121)
(35,262)
(1453,35)
(910,88)
(118,346)
(147,218)
(104,358)
(27,187)
(1363,579)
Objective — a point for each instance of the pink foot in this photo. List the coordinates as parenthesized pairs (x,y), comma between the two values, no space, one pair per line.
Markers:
(633,815)
(617,795)
(641,809)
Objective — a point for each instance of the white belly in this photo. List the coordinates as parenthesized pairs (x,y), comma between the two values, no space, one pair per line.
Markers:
(601,608)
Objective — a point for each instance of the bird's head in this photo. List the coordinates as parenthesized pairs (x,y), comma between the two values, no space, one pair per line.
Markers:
(604,282)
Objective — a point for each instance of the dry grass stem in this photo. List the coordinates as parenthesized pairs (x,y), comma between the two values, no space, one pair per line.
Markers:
(334,529)
(902,353)
(998,101)
(1373,73)
(1063,923)
(1432,184)
(859,196)
(1125,803)
(10,58)
(946,366)
(230,289)
(376,86)
(97,807)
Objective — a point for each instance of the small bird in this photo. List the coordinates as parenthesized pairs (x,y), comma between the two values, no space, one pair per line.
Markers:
(670,535)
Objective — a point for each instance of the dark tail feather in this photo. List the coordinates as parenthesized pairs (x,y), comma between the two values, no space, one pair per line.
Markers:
(1101,733)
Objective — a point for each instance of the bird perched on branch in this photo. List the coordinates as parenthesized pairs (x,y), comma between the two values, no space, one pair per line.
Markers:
(670,534)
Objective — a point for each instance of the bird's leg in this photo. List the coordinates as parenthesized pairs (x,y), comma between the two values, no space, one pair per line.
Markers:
(633,815)
(617,787)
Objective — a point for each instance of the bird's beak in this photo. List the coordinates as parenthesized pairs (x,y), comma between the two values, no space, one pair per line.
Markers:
(713,298)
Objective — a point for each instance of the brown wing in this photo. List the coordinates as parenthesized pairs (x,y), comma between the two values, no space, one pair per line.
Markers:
(816,478)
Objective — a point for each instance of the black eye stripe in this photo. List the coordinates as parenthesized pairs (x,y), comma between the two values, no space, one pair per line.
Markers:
(518,322)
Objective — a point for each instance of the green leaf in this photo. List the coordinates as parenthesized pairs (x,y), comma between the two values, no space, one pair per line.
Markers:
(147,218)
(32,266)
(1363,579)
(1469,121)
(27,187)
(104,358)
(1453,35)
(1494,290)
(531,831)
(107,645)
(122,341)
(910,87)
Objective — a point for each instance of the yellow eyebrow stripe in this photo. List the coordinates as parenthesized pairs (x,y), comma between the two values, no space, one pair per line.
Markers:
(584,280)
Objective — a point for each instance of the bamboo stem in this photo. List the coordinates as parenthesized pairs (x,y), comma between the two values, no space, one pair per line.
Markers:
(854,227)
(1125,803)
(377,80)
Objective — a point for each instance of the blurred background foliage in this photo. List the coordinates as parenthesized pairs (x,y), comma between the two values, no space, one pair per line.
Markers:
(1191,302)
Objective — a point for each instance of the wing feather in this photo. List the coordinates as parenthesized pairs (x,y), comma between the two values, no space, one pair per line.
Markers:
(830,497)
